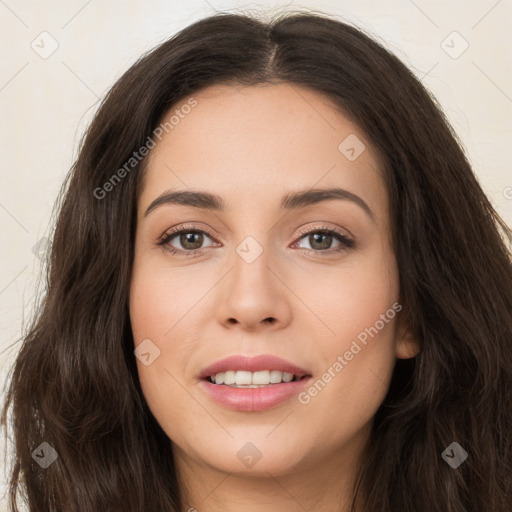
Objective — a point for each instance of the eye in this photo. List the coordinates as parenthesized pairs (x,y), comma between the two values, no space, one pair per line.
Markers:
(320,240)
(191,239)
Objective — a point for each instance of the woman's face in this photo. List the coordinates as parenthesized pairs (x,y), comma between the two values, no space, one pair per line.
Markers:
(311,281)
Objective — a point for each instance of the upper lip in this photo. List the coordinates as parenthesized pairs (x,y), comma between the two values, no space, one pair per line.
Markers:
(252,364)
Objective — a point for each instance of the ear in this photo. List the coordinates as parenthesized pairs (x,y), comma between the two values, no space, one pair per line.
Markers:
(407,344)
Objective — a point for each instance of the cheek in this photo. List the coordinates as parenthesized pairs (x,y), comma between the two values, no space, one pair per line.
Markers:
(356,353)
(346,301)
(354,378)
(161,298)
(162,311)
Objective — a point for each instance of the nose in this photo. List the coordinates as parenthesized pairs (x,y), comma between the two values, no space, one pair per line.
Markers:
(254,295)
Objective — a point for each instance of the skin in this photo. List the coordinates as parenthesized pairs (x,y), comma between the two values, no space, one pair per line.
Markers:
(251,146)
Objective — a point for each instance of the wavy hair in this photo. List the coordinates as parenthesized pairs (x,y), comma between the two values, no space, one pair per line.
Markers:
(74,383)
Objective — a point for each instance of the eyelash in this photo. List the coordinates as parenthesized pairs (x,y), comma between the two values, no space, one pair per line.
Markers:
(346,243)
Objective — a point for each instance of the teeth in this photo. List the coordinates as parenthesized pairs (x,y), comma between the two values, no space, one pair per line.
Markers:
(262,377)
(242,378)
(229,377)
(287,377)
(276,376)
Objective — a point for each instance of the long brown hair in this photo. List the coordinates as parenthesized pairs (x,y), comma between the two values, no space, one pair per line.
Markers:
(74,384)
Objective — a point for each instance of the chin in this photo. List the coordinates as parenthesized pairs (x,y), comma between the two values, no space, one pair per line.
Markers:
(253,455)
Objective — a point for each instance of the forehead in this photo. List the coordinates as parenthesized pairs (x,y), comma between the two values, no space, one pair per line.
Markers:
(251,143)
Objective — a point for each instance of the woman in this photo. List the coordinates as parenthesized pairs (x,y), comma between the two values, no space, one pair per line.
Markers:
(275,283)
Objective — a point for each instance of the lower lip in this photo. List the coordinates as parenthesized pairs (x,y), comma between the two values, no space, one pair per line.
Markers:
(253,399)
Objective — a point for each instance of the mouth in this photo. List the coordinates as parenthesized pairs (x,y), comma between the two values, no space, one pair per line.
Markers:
(252,384)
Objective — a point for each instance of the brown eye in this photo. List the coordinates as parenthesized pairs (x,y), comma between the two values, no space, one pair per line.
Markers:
(322,240)
(189,241)
(185,240)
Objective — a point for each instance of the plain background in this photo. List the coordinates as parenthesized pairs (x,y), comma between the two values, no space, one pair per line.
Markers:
(47,101)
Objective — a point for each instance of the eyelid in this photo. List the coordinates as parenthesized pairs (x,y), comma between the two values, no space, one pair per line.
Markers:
(314,229)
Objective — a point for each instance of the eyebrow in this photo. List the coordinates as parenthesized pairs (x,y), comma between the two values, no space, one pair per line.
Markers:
(291,201)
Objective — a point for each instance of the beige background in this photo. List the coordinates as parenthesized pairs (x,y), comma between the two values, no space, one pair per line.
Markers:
(46,103)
